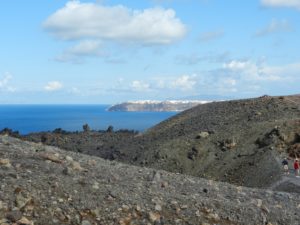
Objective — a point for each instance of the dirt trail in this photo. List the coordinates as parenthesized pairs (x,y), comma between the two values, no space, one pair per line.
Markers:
(295,100)
(287,182)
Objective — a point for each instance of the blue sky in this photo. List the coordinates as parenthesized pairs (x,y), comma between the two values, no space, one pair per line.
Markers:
(108,51)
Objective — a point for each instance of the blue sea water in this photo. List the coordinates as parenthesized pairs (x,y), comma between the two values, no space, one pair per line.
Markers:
(35,118)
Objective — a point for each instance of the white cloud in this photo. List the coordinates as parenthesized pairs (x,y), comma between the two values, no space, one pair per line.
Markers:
(282,3)
(7,77)
(230,81)
(254,78)
(250,71)
(194,58)
(184,82)
(275,26)
(212,35)
(86,48)
(240,78)
(288,71)
(4,83)
(77,21)
(53,86)
(75,91)
(140,86)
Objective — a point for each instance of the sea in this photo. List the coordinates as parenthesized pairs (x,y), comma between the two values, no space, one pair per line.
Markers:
(35,118)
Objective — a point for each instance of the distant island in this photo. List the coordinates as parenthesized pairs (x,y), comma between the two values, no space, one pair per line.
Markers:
(156,106)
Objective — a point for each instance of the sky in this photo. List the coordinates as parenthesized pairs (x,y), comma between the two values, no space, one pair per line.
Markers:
(110,51)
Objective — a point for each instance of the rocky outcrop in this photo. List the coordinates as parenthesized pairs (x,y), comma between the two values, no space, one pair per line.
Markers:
(46,185)
(156,106)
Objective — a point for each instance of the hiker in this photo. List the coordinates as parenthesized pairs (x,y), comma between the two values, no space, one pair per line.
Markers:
(285,164)
(296,167)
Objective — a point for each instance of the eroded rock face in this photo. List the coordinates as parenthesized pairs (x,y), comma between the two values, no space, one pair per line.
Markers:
(38,190)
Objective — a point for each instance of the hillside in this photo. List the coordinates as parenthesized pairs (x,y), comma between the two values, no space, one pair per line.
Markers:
(45,185)
(241,142)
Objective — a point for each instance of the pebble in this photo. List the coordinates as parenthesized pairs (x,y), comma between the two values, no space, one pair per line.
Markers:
(125,221)
(24,221)
(67,171)
(5,162)
(203,134)
(213,216)
(95,185)
(69,158)
(51,157)
(164,184)
(14,215)
(259,202)
(158,207)
(156,177)
(265,209)
(1,205)
(96,212)
(125,208)
(153,216)
(138,208)
(85,222)
(76,166)
(92,162)
(184,207)
(21,201)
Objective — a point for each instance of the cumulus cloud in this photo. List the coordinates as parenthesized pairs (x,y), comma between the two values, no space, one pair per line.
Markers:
(86,48)
(282,3)
(53,86)
(236,77)
(240,78)
(248,70)
(275,26)
(230,81)
(140,86)
(184,82)
(289,71)
(4,83)
(77,21)
(209,36)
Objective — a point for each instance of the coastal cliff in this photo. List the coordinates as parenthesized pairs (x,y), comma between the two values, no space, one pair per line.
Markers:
(155,106)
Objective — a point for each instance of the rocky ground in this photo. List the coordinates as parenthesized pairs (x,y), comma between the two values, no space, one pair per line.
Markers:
(45,185)
(241,142)
(105,144)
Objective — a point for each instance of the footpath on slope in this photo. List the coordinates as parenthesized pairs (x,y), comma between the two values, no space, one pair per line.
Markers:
(289,183)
